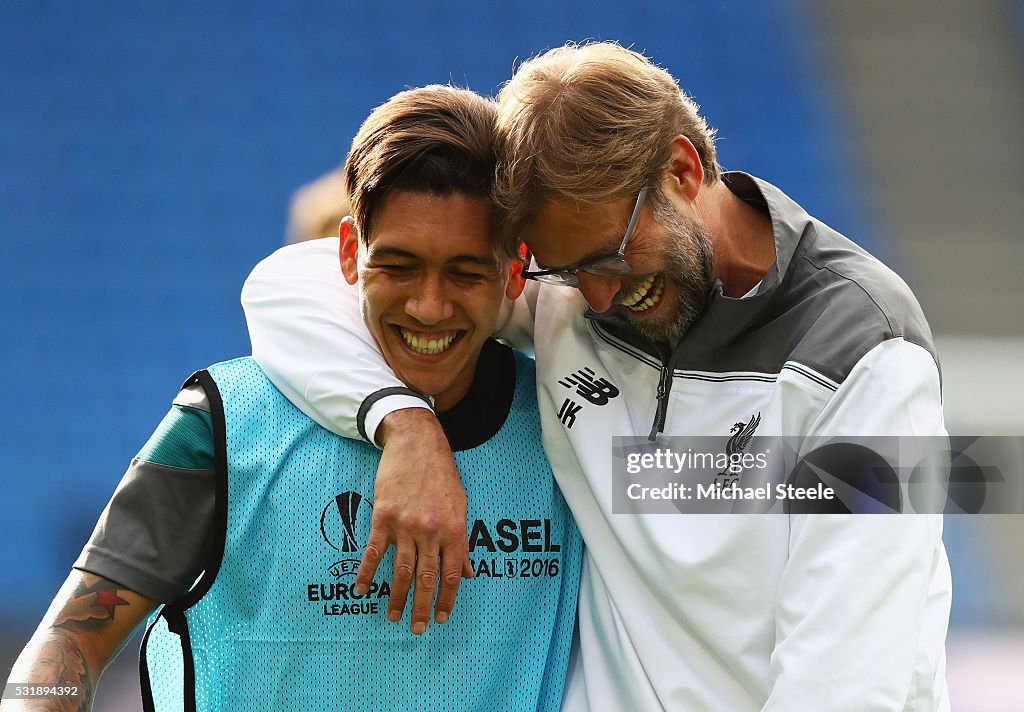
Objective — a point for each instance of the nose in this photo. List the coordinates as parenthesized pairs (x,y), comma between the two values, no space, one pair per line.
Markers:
(599,291)
(429,304)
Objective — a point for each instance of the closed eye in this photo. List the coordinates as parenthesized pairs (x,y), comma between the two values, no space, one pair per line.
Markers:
(396,269)
(467,275)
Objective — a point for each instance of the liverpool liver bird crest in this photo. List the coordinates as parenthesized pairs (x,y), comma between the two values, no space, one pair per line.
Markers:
(742,433)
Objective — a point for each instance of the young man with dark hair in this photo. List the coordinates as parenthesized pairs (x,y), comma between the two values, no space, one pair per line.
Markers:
(246,520)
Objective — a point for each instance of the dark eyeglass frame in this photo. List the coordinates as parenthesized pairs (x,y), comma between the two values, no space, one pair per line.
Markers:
(611,266)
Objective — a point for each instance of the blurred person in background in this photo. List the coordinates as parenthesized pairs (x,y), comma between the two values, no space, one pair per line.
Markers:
(715,303)
(316,209)
(240,522)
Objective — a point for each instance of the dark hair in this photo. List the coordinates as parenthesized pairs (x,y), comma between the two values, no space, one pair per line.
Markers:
(436,139)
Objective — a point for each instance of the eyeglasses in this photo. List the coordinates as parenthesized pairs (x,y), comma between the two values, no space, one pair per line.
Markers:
(612,266)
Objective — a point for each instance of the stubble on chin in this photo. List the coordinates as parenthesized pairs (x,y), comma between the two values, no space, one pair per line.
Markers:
(689,257)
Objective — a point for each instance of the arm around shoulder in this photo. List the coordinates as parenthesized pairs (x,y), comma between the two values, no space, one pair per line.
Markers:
(308,335)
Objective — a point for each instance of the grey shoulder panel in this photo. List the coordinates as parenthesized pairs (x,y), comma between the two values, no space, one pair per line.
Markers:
(825,304)
(835,304)
(846,302)
(153,535)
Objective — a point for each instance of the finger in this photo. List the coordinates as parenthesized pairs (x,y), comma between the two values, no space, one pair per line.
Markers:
(426,584)
(376,546)
(452,565)
(401,578)
(467,567)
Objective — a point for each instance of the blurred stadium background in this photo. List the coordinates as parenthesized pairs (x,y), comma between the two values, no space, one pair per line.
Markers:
(148,152)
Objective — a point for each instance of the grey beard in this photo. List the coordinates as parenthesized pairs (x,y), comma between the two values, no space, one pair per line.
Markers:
(689,259)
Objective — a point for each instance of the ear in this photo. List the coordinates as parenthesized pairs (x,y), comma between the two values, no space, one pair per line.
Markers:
(516,281)
(686,172)
(349,250)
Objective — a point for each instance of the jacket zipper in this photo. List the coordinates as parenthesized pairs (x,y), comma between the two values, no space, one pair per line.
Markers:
(664,380)
(664,387)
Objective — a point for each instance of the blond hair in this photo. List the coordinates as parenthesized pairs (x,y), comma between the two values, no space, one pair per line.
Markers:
(593,122)
(436,139)
(317,208)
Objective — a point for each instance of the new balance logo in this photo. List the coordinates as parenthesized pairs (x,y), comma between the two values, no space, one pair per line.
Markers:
(597,391)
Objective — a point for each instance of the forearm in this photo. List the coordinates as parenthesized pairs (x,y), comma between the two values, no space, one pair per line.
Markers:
(53,659)
(420,506)
(414,425)
(87,625)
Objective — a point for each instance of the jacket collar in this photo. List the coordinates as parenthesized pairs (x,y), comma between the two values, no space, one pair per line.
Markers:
(725,318)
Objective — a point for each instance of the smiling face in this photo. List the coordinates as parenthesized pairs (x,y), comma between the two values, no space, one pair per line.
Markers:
(671,255)
(430,287)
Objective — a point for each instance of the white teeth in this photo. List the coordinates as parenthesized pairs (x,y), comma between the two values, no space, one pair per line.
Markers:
(642,299)
(423,345)
(639,294)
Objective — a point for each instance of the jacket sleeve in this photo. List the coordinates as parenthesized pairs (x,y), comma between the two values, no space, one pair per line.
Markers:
(864,600)
(308,336)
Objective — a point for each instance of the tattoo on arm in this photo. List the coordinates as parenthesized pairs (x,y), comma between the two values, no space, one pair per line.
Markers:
(94,604)
(75,642)
(61,662)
